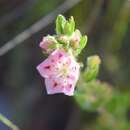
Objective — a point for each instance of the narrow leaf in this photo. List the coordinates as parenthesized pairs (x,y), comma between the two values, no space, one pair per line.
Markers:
(82,44)
(60,23)
(72,24)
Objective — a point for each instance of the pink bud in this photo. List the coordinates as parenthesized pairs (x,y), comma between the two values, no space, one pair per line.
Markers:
(47,42)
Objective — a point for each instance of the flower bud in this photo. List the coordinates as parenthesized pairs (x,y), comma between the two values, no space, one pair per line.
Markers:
(75,39)
(63,39)
(48,43)
(94,61)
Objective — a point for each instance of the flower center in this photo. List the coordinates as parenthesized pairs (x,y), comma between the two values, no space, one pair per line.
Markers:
(63,70)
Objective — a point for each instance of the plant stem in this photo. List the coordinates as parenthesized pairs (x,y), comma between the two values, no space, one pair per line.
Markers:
(8,123)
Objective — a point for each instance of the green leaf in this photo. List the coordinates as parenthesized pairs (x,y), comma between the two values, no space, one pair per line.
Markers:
(72,23)
(60,23)
(52,46)
(93,64)
(82,44)
(69,26)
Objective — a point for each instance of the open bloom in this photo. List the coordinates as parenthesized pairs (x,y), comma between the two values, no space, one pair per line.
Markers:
(61,72)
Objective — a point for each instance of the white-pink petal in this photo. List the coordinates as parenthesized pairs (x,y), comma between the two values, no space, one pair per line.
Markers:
(61,72)
(54,86)
(46,68)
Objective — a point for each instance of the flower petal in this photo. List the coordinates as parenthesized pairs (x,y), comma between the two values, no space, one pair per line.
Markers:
(56,85)
(58,54)
(53,86)
(46,68)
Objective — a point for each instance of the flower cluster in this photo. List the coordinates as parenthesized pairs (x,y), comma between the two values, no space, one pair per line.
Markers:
(61,69)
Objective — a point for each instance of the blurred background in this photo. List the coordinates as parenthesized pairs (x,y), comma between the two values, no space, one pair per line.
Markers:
(23,97)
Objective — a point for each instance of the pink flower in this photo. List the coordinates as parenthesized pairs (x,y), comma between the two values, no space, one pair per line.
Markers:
(61,72)
(47,42)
